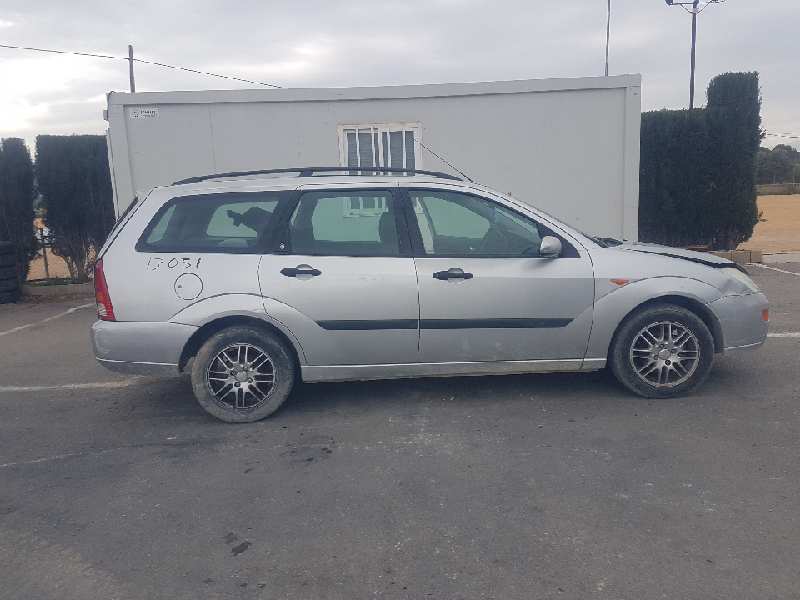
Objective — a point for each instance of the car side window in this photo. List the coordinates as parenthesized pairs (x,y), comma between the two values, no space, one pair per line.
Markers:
(231,222)
(457,224)
(344,223)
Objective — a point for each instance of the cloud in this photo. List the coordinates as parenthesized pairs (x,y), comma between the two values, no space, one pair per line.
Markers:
(364,42)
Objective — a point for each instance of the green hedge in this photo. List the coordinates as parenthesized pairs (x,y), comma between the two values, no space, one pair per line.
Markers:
(75,183)
(697,177)
(16,201)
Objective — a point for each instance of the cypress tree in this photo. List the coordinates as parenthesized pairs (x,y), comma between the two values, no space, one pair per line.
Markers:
(697,171)
(16,201)
(75,183)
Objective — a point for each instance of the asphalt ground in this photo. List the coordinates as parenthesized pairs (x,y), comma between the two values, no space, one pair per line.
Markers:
(540,486)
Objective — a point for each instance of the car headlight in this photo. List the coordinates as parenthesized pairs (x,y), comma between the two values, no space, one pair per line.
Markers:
(743,278)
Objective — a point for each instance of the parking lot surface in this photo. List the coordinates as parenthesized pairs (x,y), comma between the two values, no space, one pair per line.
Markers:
(541,486)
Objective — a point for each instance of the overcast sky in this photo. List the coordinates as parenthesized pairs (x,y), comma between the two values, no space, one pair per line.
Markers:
(367,42)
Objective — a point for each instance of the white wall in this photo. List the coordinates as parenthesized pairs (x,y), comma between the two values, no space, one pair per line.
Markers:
(569,147)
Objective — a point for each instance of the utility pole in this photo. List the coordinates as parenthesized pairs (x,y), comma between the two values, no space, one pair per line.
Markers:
(130,69)
(695,10)
(608,33)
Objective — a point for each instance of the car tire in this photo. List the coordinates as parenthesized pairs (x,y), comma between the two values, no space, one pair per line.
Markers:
(230,383)
(662,351)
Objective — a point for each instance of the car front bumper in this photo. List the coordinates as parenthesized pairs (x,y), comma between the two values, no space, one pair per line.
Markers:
(741,318)
(140,348)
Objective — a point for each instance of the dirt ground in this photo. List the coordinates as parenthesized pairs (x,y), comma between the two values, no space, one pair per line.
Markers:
(780,229)
(57,267)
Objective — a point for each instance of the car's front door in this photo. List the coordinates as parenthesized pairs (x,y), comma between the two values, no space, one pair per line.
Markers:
(485,293)
(343,267)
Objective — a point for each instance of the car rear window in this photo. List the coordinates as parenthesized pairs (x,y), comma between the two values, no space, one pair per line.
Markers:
(229,222)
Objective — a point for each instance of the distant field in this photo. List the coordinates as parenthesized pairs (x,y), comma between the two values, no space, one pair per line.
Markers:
(780,230)
(57,267)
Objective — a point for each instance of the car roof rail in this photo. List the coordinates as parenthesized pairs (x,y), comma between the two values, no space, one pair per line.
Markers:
(311,171)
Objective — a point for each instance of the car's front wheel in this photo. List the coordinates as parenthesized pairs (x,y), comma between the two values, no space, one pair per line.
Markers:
(662,351)
(242,374)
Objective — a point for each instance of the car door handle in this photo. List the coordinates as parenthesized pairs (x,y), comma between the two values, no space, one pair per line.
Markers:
(452,273)
(300,270)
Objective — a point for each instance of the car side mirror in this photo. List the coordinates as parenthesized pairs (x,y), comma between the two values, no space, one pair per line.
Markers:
(550,247)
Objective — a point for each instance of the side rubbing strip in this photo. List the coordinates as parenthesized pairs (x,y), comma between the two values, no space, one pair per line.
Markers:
(493,323)
(444,324)
(368,325)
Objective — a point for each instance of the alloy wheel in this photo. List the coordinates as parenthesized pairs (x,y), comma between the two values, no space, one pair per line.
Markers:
(241,377)
(665,354)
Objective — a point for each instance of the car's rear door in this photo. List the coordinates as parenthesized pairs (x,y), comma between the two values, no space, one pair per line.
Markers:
(341,267)
(485,294)
(196,247)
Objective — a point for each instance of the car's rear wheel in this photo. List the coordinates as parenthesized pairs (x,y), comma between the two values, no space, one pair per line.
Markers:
(662,351)
(242,374)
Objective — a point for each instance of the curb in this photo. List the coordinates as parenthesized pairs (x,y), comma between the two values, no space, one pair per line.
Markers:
(742,257)
(782,257)
(43,292)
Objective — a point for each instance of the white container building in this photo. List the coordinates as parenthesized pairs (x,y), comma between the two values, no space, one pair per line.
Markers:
(567,146)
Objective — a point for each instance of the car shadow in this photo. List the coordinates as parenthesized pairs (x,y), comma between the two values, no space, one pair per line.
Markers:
(360,395)
(173,398)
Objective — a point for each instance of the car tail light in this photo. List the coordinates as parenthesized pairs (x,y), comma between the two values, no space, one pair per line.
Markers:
(765,315)
(105,310)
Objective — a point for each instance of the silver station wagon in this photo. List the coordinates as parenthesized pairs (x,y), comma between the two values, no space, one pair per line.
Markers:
(253,281)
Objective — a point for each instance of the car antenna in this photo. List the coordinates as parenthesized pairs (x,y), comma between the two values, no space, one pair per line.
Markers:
(447,162)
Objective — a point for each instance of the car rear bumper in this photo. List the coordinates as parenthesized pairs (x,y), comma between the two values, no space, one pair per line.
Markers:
(741,319)
(140,348)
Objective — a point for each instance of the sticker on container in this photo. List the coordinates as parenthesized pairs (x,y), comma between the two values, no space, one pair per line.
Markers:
(143,112)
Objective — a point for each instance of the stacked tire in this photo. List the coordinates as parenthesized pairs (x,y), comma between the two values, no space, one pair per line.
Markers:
(9,282)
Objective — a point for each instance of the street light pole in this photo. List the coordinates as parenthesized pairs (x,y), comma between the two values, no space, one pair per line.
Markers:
(695,10)
(695,6)
(608,32)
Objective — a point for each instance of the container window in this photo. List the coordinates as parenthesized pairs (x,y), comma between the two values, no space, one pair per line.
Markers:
(379,145)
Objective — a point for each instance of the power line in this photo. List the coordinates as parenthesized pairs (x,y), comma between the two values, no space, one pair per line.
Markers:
(139,60)
(160,64)
(50,51)
(445,161)
(705,6)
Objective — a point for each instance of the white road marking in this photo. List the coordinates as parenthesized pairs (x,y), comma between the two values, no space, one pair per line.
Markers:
(774,269)
(69,386)
(784,334)
(47,320)
(51,458)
